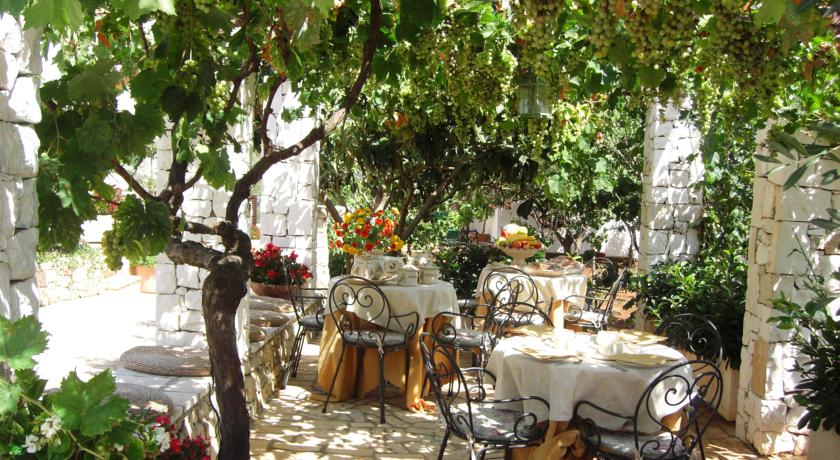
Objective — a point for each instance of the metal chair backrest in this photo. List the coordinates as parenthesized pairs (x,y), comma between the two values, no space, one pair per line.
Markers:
(510,284)
(454,403)
(601,275)
(694,333)
(294,288)
(515,314)
(356,296)
(697,399)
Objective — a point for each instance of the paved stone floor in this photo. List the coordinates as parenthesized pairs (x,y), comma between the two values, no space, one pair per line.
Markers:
(294,427)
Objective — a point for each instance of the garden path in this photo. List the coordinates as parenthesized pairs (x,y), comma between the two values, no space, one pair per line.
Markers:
(293,427)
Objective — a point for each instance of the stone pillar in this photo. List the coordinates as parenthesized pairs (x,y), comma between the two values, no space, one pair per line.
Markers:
(20,70)
(289,211)
(179,313)
(783,248)
(671,204)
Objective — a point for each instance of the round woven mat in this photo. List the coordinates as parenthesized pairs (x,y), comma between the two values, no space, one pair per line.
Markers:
(163,360)
(144,400)
(268,318)
(255,333)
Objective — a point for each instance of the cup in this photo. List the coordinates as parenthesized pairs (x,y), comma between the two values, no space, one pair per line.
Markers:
(564,340)
(606,340)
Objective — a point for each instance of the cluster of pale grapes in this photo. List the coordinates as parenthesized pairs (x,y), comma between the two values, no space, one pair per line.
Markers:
(604,20)
(659,29)
(536,22)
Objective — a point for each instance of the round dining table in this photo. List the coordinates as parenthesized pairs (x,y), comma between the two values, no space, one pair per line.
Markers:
(556,286)
(427,300)
(588,377)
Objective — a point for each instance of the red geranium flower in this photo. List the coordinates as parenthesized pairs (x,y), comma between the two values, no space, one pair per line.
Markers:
(272,274)
(378,221)
(369,247)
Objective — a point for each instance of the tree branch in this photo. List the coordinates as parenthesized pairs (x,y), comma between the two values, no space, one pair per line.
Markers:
(193,253)
(242,189)
(429,203)
(266,113)
(132,182)
(331,209)
(143,38)
(190,183)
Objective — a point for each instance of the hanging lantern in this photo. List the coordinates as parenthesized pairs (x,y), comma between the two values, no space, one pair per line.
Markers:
(531,97)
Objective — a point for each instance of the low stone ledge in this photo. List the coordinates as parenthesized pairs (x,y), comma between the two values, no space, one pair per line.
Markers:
(193,398)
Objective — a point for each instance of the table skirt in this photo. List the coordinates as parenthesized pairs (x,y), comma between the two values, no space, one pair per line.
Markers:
(345,389)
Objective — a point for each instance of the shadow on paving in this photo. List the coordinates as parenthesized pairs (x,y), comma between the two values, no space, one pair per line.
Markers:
(293,426)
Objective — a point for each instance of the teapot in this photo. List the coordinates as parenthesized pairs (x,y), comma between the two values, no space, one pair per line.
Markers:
(409,275)
(429,273)
(392,265)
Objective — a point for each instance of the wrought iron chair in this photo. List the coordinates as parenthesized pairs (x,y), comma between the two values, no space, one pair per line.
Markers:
(695,398)
(354,300)
(593,311)
(693,333)
(510,284)
(468,412)
(469,332)
(514,314)
(308,305)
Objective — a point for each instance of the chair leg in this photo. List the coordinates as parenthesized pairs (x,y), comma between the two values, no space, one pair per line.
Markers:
(301,342)
(443,444)
(294,357)
(335,377)
(407,368)
(381,388)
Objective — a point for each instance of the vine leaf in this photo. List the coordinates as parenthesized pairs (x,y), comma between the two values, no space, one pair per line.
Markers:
(771,11)
(21,340)
(9,397)
(89,406)
(13,7)
(57,14)
(136,8)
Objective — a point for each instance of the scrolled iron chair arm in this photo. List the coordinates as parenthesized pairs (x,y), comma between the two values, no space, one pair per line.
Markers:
(411,328)
(479,370)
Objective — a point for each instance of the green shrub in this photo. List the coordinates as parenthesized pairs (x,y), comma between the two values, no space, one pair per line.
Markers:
(714,288)
(461,264)
(83,255)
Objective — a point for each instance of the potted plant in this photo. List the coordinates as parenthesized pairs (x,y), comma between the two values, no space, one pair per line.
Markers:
(274,272)
(817,336)
(144,267)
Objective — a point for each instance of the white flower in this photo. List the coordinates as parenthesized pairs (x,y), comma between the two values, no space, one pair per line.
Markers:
(119,447)
(32,444)
(51,426)
(161,438)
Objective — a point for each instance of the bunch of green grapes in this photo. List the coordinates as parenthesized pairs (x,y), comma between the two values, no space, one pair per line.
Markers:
(659,29)
(203,5)
(537,26)
(741,51)
(140,229)
(218,97)
(604,20)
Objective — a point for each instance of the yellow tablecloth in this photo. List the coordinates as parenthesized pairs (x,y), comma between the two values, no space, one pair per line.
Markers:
(394,368)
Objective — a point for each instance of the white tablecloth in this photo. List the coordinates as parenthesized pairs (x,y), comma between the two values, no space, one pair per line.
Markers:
(613,386)
(426,299)
(549,287)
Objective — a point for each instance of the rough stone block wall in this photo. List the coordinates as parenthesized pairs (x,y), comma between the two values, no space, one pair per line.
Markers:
(179,313)
(671,204)
(783,249)
(20,69)
(290,214)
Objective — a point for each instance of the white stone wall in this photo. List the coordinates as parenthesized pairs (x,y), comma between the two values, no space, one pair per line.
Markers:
(20,69)
(179,313)
(672,205)
(290,214)
(781,239)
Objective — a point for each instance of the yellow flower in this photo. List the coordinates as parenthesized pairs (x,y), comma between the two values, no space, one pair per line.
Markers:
(360,221)
(395,211)
(346,247)
(347,217)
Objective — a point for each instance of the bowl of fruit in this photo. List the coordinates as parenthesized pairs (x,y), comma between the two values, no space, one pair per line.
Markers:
(518,244)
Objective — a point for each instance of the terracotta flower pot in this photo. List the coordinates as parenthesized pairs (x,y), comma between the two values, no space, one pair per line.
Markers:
(270,290)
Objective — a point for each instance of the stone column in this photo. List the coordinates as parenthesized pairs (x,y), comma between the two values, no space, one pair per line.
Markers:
(783,249)
(671,205)
(289,209)
(20,69)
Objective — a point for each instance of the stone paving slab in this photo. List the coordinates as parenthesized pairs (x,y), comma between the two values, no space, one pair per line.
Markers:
(293,427)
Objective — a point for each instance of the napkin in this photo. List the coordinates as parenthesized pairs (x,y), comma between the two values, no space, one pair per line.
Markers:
(642,359)
(639,337)
(533,330)
(546,354)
